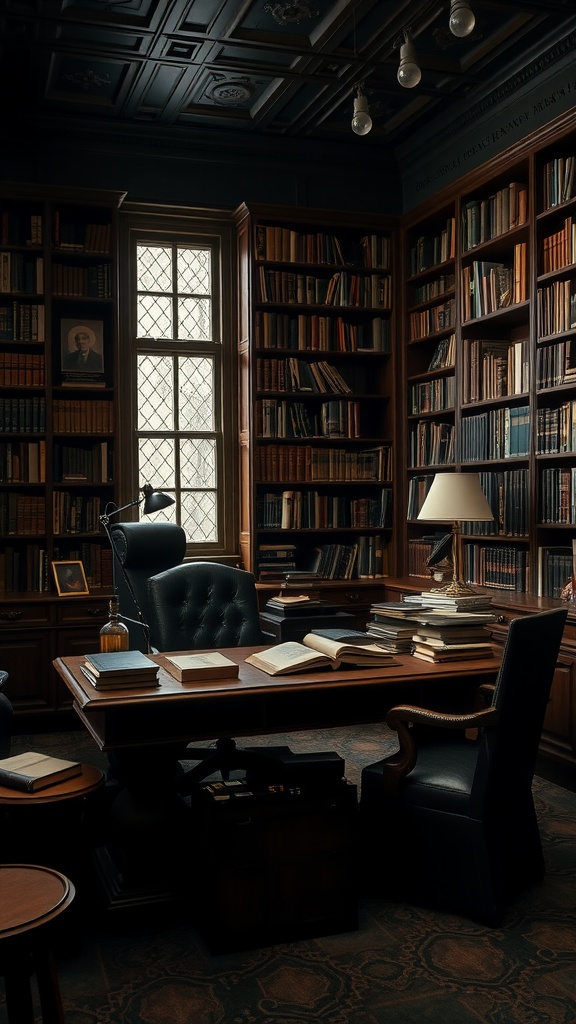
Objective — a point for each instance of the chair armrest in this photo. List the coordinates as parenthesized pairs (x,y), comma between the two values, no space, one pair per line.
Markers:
(402,717)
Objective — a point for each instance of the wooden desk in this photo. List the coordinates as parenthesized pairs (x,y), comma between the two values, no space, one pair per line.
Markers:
(146,730)
(257,704)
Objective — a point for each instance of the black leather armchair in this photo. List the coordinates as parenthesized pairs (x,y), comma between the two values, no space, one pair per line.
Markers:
(451,820)
(144,549)
(6,715)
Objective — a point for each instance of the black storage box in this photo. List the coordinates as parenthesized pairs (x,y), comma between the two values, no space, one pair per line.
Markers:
(276,860)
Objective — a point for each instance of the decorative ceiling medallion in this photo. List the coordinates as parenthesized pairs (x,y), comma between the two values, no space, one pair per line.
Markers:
(88,78)
(230,92)
(294,12)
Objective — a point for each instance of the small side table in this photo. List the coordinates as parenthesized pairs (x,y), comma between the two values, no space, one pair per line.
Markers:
(81,785)
(32,898)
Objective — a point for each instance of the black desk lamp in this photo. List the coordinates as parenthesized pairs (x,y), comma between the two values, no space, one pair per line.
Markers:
(153,501)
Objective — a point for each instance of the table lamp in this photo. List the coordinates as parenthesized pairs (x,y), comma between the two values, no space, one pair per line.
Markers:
(453,498)
(114,635)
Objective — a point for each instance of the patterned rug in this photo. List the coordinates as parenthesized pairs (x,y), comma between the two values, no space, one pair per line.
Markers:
(404,964)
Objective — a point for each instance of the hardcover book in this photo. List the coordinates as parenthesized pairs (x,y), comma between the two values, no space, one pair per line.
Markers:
(208,665)
(317,652)
(125,663)
(32,771)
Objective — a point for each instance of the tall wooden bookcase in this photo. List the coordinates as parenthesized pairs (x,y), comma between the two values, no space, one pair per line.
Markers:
(317,402)
(57,277)
(503,403)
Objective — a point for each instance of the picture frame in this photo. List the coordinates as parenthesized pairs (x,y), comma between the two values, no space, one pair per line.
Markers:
(70,578)
(82,351)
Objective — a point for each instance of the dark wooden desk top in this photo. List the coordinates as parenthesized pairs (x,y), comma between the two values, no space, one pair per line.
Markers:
(256,704)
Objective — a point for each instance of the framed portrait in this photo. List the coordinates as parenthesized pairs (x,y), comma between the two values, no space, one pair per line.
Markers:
(70,578)
(82,350)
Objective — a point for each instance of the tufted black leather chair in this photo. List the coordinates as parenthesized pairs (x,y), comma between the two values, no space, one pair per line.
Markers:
(203,605)
(144,549)
(458,813)
(6,715)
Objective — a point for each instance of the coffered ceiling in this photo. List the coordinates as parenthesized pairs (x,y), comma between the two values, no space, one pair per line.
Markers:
(257,68)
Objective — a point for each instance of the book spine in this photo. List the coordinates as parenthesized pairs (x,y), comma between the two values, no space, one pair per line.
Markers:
(16,781)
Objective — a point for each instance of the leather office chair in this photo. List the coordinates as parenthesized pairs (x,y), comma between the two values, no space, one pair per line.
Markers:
(144,549)
(6,715)
(454,817)
(201,605)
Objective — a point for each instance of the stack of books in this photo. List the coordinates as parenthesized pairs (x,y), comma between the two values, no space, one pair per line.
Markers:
(120,670)
(443,630)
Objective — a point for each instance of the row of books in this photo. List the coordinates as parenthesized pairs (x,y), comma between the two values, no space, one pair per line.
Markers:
(19,273)
(559,183)
(95,557)
(315,333)
(310,464)
(559,248)
(489,286)
(71,281)
(285,245)
(366,291)
(434,627)
(23,415)
(483,219)
(497,566)
(419,551)
(418,487)
(23,569)
(556,566)
(297,509)
(556,429)
(83,416)
(278,418)
(429,321)
(22,321)
(430,250)
(431,444)
(507,494)
(432,289)
(20,227)
(493,369)
(22,370)
(431,395)
(22,514)
(74,236)
(293,374)
(558,496)
(444,354)
(496,434)
(75,513)
(23,462)
(92,462)
(556,308)
(556,364)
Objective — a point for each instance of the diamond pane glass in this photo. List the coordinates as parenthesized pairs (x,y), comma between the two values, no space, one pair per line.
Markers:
(194,268)
(154,268)
(196,390)
(156,462)
(198,516)
(194,319)
(154,314)
(198,462)
(155,384)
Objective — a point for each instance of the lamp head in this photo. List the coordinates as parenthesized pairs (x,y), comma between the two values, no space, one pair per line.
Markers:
(154,501)
(409,74)
(462,20)
(455,497)
(361,120)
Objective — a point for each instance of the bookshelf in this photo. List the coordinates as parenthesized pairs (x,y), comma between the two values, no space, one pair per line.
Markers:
(58,310)
(317,408)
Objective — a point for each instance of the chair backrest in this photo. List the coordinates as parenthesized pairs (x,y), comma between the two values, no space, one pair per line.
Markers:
(203,604)
(144,549)
(507,756)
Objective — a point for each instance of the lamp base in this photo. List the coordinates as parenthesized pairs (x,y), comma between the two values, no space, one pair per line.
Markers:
(455,589)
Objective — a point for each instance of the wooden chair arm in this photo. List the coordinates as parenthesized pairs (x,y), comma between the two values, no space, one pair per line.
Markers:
(402,717)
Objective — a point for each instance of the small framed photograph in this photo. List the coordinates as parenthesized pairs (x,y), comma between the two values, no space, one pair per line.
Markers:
(70,578)
(82,350)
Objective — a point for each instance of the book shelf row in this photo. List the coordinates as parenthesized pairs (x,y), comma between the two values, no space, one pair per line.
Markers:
(311,464)
(310,333)
(311,510)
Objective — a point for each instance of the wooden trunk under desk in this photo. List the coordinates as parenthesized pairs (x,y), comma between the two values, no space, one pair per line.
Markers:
(145,730)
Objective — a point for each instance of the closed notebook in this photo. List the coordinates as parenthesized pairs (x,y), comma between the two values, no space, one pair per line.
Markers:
(32,770)
(208,665)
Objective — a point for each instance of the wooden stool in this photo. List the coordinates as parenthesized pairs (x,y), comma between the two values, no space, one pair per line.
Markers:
(32,898)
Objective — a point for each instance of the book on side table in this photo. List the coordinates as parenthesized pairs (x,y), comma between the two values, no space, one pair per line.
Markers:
(317,652)
(31,771)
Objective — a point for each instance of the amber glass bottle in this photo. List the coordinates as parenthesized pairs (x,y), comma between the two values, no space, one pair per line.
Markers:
(114,635)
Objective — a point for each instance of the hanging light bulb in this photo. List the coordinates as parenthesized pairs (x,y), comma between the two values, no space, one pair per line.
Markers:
(462,18)
(361,120)
(409,74)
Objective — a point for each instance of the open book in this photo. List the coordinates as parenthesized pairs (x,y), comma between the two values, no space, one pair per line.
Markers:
(317,652)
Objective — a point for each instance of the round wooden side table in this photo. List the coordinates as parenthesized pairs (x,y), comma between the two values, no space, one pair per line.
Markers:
(81,785)
(32,899)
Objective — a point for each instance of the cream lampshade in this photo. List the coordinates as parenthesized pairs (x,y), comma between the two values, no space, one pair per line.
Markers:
(453,498)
